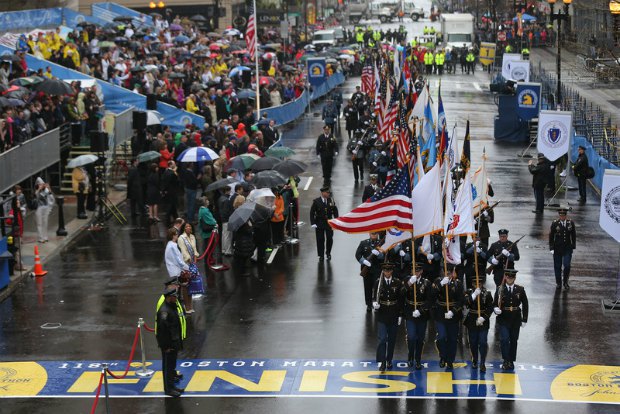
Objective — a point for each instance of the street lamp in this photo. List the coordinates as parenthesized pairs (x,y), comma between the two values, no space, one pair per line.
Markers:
(562,14)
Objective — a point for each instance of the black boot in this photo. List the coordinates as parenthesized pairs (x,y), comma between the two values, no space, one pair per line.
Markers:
(382,367)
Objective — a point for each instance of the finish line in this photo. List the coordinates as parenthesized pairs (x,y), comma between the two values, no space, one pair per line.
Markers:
(318,378)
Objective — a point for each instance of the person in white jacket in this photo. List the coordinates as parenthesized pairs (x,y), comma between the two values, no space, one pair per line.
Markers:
(175,265)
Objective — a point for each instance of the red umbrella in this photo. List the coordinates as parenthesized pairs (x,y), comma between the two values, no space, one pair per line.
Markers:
(240,52)
(266,80)
(214,47)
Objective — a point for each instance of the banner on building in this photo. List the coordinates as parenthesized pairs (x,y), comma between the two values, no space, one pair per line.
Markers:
(609,219)
(554,132)
(528,100)
(487,53)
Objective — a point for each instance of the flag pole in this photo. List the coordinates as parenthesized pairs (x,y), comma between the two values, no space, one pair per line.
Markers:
(256,61)
(443,243)
(413,252)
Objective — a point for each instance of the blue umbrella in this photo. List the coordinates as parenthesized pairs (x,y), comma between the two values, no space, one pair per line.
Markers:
(246,94)
(525,18)
(236,70)
(181,39)
(196,154)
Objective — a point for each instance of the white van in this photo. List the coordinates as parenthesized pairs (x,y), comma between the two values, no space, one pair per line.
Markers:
(324,38)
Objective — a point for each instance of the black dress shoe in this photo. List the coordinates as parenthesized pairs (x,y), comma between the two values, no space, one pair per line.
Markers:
(511,365)
(505,366)
(558,286)
(410,363)
(179,390)
(382,367)
(418,366)
(566,286)
(178,375)
(442,363)
(474,364)
(321,258)
(368,308)
(389,365)
(483,368)
(329,257)
(450,365)
(174,394)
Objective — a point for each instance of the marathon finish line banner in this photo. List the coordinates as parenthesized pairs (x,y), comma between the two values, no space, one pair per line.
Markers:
(318,378)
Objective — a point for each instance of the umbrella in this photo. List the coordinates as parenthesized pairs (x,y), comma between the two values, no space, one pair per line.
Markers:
(269,55)
(224,182)
(82,160)
(176,75)
(241,52)
(137,69)
(106,43)
(232,32)
(181,39)
(175,28)
(248,211)
(288,68)
(330,60)
(10,58)
(26,81)
(268,179)
(148,156)
(280,152)
(196,154)
(10,102)
(54,87)
(290,168)
(123,19)
(214,34)
(266,80)
(265,163)
(16,92)
(236,70)
(120,39)
(153,118)
(198,18)
(246,94)
(214,47)
(262,196)
(525,18)
(241,162)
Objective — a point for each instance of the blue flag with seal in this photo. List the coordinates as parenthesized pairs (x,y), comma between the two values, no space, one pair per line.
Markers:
(528,100)
(316,71)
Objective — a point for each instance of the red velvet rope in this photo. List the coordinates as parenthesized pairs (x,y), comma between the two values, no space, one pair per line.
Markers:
(133,350)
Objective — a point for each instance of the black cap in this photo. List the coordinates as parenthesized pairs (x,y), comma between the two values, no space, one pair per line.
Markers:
(373,176)
(171,281)
(387,266)
(510,272)
(541,155)
(419,265)
(503,232)
(562,210)
(325,189)
(171,292)
(582,147)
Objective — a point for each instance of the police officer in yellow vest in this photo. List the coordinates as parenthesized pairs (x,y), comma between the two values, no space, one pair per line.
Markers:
(432,30)
(173,284)
(426,30)
(508,49)
(359,36)
(440,59)
(414,42)
(525,52)
(169,339)
(376,36)
(428,61)
(470,59)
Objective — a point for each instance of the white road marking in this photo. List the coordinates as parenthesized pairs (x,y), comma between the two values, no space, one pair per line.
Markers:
(308,183)
(272,255)
(477,86)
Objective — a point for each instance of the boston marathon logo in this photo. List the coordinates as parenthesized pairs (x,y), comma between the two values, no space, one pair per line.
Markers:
(593,383)
(528,98)
(317,70)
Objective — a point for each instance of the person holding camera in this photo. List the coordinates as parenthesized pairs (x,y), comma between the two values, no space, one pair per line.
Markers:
(43,203)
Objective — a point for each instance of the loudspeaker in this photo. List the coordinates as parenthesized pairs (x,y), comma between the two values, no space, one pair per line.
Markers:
(76,133)
(151,102)
(98,141)
(139,120)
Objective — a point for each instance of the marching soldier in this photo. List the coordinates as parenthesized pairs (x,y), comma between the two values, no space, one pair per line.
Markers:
(447,301)
(169,339)
(371,188)
(358,153)
(403,256)
(326,150)
(369,257)
(323,209)
(417,306)
(388,304)
(511,307)
(482,224)
(502,255)
(562,242)
(470,262)
(430,254)
(351,117)
(477,323)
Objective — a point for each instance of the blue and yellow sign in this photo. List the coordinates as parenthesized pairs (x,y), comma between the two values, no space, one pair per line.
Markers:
(327,378)
(528,100)
(316,71)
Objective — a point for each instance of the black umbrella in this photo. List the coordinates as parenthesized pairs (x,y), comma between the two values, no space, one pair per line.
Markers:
(10,58)
(224,182)
(54,87)
(198,18)
(248,211)
(246,94)
(123,19)
(290,168)
(10,102)
(268,179)
(265,163)
(137,69)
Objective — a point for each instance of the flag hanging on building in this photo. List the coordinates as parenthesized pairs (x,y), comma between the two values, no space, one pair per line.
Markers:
(250,32)
(390,207)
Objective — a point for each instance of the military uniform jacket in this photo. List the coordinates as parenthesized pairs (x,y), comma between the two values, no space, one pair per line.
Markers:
(470,260)
(364,250)
(454,299)
(496,251)
(422,288)
(514,305)
(169,327)
(483,223)
(369,191)
(320,212)
(351,116)
(326,145)
(431,268)
(390,298)
(486,309)
(562,237)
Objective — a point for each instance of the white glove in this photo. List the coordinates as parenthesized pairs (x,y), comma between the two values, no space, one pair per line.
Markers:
(444,281)
(336,153)
(485,213)
(359,142)
(366,263)
(383,153)
(416,313)
(402,253)
(400,320)
(449,315)
(475,294)
(494,261)
(480,321)
(497,311)
(429,257)
(374,163)
(552,252)
(354,152)
(478,250)
(375,252)
(318,155)
(413,279)
(523,324)
(505,252)
(478,243)
(376,305)
(313,226)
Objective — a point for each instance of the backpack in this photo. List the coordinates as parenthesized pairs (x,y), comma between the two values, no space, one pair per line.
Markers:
(590,173)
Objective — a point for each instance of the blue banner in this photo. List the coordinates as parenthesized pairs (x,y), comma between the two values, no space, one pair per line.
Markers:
(73,18)
(528,100)
(324,88)
(226,377)
(317,71)
(108,11)
(30,19)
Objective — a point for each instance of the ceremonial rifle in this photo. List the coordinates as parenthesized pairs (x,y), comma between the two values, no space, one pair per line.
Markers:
(492,266)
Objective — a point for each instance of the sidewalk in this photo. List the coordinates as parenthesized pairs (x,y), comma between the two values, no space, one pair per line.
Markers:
(73,226)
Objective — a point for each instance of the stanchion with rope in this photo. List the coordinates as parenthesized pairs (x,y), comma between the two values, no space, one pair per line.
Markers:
(214,264)
(104,368)
(133,350)
(94,407)
(143,372)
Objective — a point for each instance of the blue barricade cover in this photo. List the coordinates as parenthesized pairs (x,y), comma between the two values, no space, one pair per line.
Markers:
(596,161)
(11,21)
(108,11)
(289,111)
(73,18)
(324,88)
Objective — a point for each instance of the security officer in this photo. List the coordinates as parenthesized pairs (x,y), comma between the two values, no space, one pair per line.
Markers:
(525,52)
(447,300)
(440,59)
(323,208)
(173,283)
(402,257)
(417,308)
(370,258)
(511,307)
(326,150)
(470,58)
(562,242)
(471,250)
(429,252)
(359,36)
(426,30)
(580,168)
(169,340)
(477,323)
(388,303)
(428,61)
(502,255)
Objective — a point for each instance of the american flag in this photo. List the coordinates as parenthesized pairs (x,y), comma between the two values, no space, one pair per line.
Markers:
(250,32)
(389,207)
(403,139)
(389,113)
(393,164)
(466,154)
(367,77)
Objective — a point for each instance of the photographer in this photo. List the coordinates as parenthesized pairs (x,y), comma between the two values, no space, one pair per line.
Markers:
(43,203)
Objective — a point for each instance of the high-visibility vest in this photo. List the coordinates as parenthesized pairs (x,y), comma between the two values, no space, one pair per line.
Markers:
(525,51)
(359,36)
(508,49)
(470,57)
(160,302)
(428,58)
(414,43)
(439,58)
(371,43)
(376,35)
(426,30)
(432,30)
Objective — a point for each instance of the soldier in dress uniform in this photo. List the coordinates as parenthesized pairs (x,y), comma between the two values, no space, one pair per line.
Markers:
(502,255)
(402,256)
(327,149)
(371,188)
(370,258)
(562,242)
(417,308)
(323,208)
(482,224)
(477,324)
(511,307)
(470,262)
(388,304)
(447,300)
(430,253)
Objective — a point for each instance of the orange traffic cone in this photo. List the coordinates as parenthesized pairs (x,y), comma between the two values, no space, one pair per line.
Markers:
(38,269)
